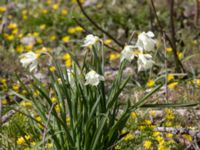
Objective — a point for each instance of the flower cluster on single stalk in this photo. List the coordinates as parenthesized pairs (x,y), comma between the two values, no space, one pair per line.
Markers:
(144,44)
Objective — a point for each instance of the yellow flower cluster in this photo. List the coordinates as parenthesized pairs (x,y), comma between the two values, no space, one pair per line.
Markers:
(21,140)
(76,29)
(68,60)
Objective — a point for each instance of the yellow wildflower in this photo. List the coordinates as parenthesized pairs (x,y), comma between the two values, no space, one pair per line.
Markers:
(133,115)
(53,37)
(152,112)
(71,30)
(33,143)
(64,12)
(147,122)
(38,118)
(108,41)
(26,104)
(2,9)
(53,99)
(68,120)
(79,29)
(150,83)
(43,26)
(187,137)
(49,145)
(114,56)
(117,147)
(168,124)
(68,60)
(147,144)
(170,77)
(19,49)
(172,85)
(128,137)
(15,87)
(156,134)
(29,47)
(57,108)
(66,39)
(12,26)
(21,140)
(4,102)
(169,49)
(196,81)
(68,63)
(55,6)
(180,55)
(52,68)
(169,135)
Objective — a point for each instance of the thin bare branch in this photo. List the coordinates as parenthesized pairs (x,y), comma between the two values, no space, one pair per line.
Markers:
(97,26)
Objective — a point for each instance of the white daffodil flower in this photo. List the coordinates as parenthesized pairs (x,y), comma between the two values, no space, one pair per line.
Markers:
(29,59)
(129,53)
(93,78)
(90,40)
(144,62)
(146,42)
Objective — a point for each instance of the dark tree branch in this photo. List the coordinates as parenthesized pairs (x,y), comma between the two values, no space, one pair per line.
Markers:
(172,42)
(89,32)
(97,26)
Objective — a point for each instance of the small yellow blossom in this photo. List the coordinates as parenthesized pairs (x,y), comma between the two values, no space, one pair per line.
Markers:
(12,26)
(172,85)
(53,99)
(57,108)
(68,120)
(169,135)
(29,47)
(19,49)
(180,55)
(38,118)
(168,124)
(33,143)
(4,102)
(187,137)
(52,68)
(128,137)
(170,77)
(108,41)
(152,112)
(134,115)
(147,144)
(15,87)
(49,145)
(196,81)
(79,29)
(2,9)
(43,26)
(55,6)
(156,134)
(64,12)
(26,104)
(150,83)
(117,147)
(20,140)
(66,39)
(169,49)
(53,37)
(44,11)
(114,56)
